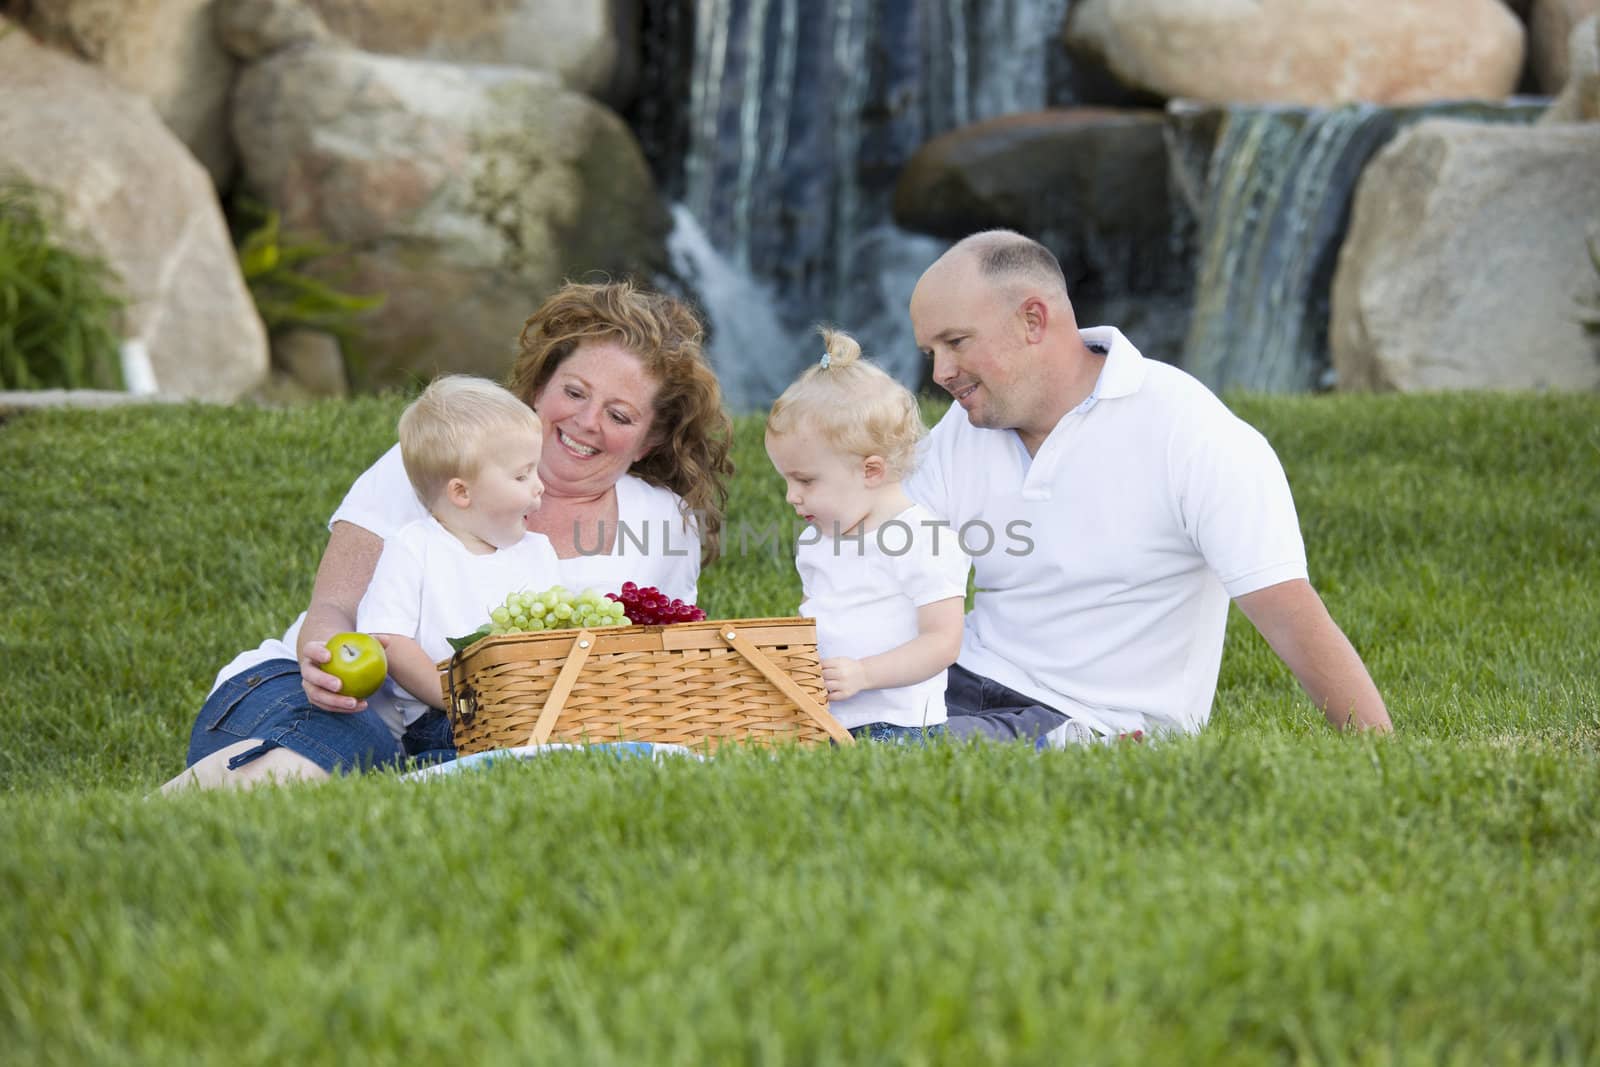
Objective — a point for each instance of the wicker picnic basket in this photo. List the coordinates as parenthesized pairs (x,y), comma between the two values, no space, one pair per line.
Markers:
(695,683)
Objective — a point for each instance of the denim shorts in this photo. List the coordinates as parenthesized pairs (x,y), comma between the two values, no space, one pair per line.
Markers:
(266,703)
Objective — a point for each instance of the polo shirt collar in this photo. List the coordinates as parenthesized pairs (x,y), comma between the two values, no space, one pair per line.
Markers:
(1124,369)
(1122,375)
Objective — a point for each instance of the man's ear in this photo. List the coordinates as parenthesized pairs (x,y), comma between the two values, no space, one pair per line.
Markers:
(1035,319)
(874,469)
(457,493)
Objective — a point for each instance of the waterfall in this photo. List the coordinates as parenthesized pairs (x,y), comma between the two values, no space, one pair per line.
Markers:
(1280,187)
(750,349)
(800,115)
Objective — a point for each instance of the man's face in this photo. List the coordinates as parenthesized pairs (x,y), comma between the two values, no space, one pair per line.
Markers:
(974,337)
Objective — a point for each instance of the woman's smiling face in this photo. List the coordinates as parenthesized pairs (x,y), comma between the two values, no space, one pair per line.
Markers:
(598,410)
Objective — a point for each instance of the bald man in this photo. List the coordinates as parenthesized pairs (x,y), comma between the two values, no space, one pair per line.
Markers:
(1112,506)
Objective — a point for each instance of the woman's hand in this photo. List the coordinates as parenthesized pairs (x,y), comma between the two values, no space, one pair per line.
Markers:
(843,677)
(322,688)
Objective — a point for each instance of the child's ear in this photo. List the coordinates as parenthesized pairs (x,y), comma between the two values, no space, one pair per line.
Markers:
(875,469)
(457,493)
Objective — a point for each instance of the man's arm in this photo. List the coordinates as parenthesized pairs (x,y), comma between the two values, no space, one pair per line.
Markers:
(1295,622)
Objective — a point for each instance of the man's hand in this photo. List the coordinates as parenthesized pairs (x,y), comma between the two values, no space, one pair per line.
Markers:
(843,677)
(1295,622)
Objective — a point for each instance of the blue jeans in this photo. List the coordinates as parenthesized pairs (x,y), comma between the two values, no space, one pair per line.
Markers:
(887,733)
(982,708)
(266,703)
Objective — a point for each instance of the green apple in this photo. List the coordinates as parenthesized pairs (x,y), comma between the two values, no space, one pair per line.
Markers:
(358,662)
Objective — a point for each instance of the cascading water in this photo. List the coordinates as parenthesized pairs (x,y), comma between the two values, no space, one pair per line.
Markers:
(1281,185)
(800,116)
(1279,201)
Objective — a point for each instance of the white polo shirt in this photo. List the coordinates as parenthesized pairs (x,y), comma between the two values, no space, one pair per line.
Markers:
(864,593)
(1114,551)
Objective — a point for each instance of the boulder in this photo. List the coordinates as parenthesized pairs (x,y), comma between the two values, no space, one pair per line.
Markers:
(1089,183)
(313,359)
(1070,170)
(1580,98)
(1463,267)
(462,193)
(165,50)
(1550,29)
(133,194)
(254,29)
(1318,52)
(586,43)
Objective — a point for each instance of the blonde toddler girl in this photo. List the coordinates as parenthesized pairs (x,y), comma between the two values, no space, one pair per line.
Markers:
(884,578)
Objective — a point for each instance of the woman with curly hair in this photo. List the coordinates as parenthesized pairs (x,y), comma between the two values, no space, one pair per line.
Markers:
(635,469)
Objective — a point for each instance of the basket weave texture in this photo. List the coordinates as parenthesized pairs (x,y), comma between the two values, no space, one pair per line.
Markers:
(731,680)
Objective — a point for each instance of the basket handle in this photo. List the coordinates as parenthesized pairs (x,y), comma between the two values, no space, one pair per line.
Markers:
(576,655)
(786,686)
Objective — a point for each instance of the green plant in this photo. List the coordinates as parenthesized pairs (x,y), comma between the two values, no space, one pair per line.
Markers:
(59,308)
(287,295)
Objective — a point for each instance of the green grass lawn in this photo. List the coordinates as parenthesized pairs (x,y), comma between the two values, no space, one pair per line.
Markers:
(1269,892)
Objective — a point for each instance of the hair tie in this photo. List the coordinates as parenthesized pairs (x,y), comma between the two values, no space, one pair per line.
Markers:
(827,358)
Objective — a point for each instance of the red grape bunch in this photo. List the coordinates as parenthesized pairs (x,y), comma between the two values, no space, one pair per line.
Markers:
(649,606)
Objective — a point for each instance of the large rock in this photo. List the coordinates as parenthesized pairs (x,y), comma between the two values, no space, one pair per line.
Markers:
(1089,183)
(254,29)
(588,44)
(1550,29)
(165,50)
(1304,51)
(1072,170)
(463,193)
(136,197)
(1466,263)
(1580,98)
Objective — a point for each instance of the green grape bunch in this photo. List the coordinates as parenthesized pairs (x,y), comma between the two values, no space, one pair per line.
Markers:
(557,608)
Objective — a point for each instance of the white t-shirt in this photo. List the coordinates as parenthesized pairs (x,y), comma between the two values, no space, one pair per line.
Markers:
(1104,564)
(655,544)
(864,593)
(429,587)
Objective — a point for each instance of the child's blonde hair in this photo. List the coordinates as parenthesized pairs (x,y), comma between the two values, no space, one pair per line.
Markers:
(446,432)
(853,405)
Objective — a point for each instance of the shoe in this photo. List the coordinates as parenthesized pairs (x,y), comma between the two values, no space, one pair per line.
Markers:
(1067,735)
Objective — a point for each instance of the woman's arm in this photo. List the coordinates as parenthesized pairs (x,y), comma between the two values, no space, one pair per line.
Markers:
(342,578)
(936,646)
